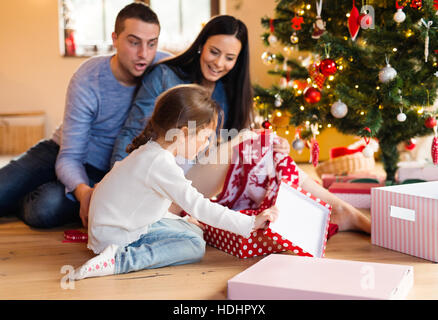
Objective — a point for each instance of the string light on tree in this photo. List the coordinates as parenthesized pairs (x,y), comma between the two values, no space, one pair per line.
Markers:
(268,58)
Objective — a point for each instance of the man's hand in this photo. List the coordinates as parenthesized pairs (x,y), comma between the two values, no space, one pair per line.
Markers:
(83,194)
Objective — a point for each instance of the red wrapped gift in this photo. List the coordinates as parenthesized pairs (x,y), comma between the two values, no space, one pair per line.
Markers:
(251,186)
(355,193)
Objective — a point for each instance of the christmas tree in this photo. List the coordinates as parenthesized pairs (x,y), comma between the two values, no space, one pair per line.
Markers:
(372,70)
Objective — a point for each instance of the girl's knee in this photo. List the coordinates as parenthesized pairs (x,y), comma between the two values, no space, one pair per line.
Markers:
(198,247)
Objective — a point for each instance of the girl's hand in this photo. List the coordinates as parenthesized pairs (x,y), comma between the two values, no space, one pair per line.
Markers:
(196,222)
(281,145)
(262,219)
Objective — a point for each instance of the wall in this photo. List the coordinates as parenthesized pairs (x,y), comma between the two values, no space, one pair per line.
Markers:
(33,75)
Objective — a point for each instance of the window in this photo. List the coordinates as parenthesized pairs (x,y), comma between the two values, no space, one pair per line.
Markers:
(86,25)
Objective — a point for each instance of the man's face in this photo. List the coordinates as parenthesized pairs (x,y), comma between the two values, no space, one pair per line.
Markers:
(136,47)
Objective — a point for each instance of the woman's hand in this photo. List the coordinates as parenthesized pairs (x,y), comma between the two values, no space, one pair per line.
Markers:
(268,215)
(281,145)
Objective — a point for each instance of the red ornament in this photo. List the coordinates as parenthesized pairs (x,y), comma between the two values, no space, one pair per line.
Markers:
(315,152)
(410,145)
(353,22)
(434,150)
(266,124)
(296,22)
(327,67)
(312,95)
(300,85)
(317,77)
(430,122)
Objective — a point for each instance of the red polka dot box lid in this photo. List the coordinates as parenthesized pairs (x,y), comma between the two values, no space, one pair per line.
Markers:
(301,227)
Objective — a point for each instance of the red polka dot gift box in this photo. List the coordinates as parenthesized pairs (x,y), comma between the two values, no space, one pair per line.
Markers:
(301,228)
(257,179)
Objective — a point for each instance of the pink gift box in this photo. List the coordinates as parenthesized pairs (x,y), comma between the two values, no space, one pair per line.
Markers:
(416,170)
(328,178)
(287,277)
(355,193)
(404,218)
(301,227)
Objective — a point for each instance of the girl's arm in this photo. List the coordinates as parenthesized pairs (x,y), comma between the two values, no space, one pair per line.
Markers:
(168,179)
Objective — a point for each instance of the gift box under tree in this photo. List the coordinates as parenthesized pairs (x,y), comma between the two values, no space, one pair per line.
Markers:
(251,186)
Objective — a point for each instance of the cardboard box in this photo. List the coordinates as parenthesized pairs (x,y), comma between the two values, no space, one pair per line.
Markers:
(356,194)
(302,228)
(404,218)
(287,277)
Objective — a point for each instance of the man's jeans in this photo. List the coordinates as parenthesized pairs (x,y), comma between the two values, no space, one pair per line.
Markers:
(168,242)
(30,189)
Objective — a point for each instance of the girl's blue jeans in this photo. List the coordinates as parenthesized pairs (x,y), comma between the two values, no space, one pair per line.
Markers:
(168,242)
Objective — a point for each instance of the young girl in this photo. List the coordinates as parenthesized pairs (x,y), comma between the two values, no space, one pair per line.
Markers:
(129,224)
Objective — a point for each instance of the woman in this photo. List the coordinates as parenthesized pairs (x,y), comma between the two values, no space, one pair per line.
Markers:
(218,60)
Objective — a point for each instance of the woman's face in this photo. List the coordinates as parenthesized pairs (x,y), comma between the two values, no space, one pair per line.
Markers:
(218,56)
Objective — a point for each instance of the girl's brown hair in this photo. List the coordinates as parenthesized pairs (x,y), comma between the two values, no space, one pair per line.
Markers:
(174,108)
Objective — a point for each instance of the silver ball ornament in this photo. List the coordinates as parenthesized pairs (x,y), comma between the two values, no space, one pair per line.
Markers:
(387,74)
(401,117)
(339,109)
(399,16)
(298,144)
(272,39)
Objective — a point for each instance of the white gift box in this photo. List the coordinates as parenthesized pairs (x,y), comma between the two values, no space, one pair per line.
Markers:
(404,218)
(287,277)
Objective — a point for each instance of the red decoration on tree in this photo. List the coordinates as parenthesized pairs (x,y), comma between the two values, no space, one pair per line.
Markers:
(296,23)
(315,74)
(430,122)
(271,25)
(328,67)
(315,152)
(434,150)
(266,124)
(312,95)
(410,145)
(300,85)
(435,4)
(417,4)
(353,22)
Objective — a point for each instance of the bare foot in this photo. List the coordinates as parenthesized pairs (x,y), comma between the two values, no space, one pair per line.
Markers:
(348,218)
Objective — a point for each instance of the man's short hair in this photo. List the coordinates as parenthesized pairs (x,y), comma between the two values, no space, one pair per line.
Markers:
(136,10)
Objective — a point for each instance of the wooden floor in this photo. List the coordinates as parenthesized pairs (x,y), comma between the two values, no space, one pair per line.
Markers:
(34,264)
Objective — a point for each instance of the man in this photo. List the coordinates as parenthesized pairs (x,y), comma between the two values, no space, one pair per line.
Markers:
(52,182)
